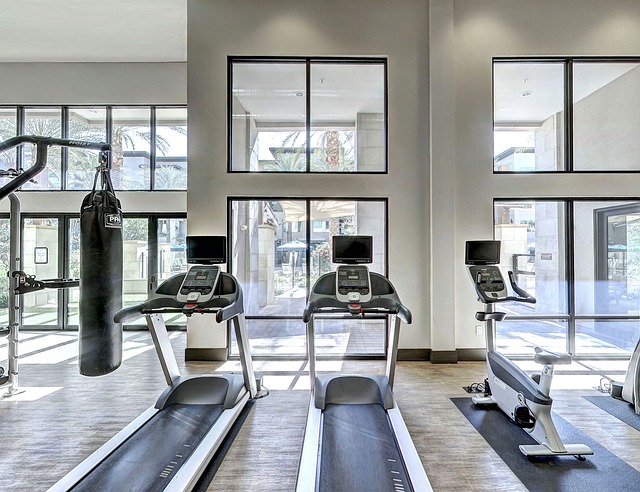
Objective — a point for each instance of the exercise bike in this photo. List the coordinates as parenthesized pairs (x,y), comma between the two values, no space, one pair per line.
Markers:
(629,390)
(525,400)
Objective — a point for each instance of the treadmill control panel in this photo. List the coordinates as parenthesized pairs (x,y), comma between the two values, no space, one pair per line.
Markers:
(198,284)
(353,284)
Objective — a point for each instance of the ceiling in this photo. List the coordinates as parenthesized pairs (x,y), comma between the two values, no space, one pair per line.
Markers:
(93,31)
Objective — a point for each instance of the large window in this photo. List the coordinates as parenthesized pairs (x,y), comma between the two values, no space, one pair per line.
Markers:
(153,251)
(280,247)
(307,115)
(566,115)
(149,145)
(581,260)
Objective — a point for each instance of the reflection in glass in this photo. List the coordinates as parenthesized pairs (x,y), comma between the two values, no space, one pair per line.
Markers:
(88,124)
(135,250)
(43,122)
(269,255)
(5,237)
(171,149)
(8,129)
(131,148)
(347,117)
(40,307)
(528,114)
(73,271)
(269,117)
(606,116)
(533,247)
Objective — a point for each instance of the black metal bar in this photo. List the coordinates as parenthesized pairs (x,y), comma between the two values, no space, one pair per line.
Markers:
(42,144)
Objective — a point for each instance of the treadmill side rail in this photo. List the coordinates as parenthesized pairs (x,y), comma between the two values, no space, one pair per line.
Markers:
(308,467)
(413,464)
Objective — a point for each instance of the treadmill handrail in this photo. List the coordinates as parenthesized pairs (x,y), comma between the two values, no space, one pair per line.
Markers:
(375,306)
(225,306)
(42,143)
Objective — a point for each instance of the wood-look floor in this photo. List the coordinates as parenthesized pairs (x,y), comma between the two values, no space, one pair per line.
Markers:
(41,440)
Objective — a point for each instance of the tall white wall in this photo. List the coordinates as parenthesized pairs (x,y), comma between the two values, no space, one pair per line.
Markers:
(397,30)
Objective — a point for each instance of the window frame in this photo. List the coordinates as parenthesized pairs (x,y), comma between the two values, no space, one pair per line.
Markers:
(308,61)
(308,234)
(64,122)
(571,317)
(567,131)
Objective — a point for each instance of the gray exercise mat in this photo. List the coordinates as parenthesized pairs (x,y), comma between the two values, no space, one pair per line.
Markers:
(619,409)
(602,471)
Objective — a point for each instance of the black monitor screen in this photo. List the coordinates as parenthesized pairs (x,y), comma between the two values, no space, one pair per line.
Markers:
(206,250)
(352,249)
(482,253)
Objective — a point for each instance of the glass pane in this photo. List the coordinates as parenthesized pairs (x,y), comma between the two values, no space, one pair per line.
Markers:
(520,337)
(605,338)
(347,117)
(269,255)
(88,124)
(606,116)
(41,307)
(280,337)
(43,122)
(172,255)
(345,218)
(269,117)
(528,116)
(73,271)
(607,261)
(171,149)
(533,247)
(8,129)
(135,278)
(131,148)
(5,236)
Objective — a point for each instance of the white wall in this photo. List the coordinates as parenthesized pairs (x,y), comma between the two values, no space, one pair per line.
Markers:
(95,83)
(487,28)
(328,28)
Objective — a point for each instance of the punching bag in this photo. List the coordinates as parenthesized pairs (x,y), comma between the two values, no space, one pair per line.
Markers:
(100,279)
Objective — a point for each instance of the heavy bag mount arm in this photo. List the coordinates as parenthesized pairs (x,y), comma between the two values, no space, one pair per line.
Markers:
(42,145)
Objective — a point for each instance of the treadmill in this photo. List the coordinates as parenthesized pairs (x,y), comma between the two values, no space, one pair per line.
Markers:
(355,437)
(169,446)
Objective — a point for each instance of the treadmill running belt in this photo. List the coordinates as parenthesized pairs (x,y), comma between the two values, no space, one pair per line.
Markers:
(149,459)
(358,451)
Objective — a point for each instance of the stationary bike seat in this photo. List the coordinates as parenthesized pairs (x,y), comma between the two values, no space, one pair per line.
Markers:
(545,357)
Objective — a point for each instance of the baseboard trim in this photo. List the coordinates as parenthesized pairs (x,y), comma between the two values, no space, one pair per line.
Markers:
(213,354)
(444,356)
(471,354)
(413,354)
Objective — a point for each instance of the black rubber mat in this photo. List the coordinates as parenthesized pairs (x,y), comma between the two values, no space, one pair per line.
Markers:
(603,471)
(619,409)
(149,459)
(358,451)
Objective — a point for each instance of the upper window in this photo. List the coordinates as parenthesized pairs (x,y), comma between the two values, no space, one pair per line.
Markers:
(148,144)
(307,115)
(566,115)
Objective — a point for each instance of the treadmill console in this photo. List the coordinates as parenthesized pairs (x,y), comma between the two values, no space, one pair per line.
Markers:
(353,284)
(198,284)
(488,282)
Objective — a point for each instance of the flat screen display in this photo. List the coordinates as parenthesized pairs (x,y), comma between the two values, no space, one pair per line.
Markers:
(482,253)
(206,250)
(352,249)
